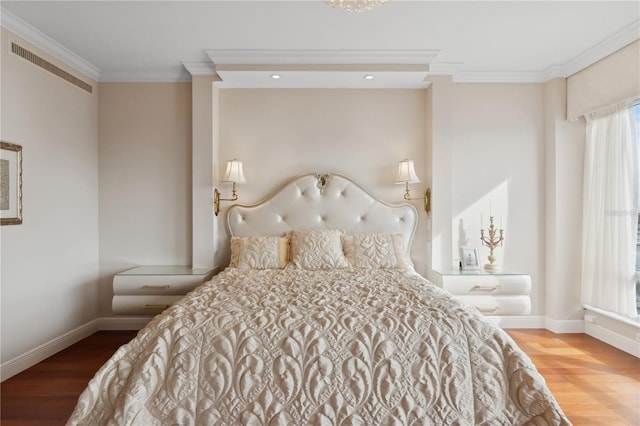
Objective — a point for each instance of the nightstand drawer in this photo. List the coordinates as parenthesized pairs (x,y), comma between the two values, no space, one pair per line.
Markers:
(487,284)
(142,305)
(499,305)
(148,290)
(155,284)
(493,294)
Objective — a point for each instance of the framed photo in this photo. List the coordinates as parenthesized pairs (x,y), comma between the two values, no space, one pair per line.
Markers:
(10,184)
(469,258)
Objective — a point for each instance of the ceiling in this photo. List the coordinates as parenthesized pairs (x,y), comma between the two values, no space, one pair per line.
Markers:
(313,45)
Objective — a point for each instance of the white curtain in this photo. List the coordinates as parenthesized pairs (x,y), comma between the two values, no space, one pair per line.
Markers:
(611,201)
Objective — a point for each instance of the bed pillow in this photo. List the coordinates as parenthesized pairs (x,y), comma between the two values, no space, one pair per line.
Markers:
(375,251)
(259,252)
(317,249)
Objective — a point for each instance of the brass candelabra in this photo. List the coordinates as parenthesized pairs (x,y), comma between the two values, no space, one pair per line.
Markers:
(492,241)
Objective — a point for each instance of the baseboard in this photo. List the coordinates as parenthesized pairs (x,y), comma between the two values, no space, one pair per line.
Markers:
(44,351)
(564,326)
(527,321)
(614,329)
(612,338)
(517,321)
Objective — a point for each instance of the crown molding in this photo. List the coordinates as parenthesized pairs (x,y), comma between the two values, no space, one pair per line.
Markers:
(47,44)
(554,71)
(622,38)
(200,68)
(279,57)
(499,77)
(445,68)
(146,75)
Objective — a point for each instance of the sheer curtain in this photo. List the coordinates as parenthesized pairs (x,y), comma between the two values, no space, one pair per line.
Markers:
(611,200)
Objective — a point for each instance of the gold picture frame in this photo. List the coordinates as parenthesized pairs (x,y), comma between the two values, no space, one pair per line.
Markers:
(10,184)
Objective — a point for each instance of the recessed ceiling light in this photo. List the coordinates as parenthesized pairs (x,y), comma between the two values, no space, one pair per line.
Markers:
(275,76)
(368,77)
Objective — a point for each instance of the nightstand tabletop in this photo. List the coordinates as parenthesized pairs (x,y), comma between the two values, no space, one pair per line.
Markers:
(166,270)
(475,272)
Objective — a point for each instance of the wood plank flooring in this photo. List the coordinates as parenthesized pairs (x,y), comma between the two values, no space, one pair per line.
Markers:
(45,394)
(594,383)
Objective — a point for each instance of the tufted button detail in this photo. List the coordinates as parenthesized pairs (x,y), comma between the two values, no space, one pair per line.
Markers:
(401,219)
(362,218)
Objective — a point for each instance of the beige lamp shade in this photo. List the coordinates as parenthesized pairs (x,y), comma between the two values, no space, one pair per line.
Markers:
(234,172)
(406,172)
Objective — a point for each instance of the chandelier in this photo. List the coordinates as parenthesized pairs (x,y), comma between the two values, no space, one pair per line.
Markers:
(355,5)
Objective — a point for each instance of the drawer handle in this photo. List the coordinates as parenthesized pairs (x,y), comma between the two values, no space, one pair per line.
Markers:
(485,287)
(155,306)
(488,310)
(161,287)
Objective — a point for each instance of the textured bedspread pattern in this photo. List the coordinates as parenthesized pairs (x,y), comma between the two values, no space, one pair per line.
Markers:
(337,347)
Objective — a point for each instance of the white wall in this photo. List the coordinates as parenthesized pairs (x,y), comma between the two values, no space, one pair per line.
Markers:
(498,165)
(488,154)
(204,98)
(145,178)
(564,158)
(50,262)
(362,134)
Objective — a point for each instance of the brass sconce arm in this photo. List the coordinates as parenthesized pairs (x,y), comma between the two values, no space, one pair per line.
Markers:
(217,199)
(426,198)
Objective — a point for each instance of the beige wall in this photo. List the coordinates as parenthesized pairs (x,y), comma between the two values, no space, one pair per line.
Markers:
(50,262)
(488,154)
(145,178)
(498,165)
(362,134)
(564,157)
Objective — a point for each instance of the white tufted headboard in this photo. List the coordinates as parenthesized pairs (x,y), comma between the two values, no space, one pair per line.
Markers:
(303,203)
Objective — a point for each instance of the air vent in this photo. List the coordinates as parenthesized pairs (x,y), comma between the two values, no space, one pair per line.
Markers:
(44,64)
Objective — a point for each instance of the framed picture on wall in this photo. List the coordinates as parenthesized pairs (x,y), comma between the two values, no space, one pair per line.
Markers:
(469,258)
(10,184)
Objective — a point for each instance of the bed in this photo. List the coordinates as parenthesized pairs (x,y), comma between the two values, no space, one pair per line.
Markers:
(320,319)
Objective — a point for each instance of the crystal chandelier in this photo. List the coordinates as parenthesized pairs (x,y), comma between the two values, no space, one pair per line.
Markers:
(355,5)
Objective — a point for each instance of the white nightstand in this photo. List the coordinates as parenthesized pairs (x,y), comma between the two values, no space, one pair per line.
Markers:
(148,290)
(505,293)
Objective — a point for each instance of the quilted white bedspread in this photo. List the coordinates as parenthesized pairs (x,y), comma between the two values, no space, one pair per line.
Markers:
(338,347)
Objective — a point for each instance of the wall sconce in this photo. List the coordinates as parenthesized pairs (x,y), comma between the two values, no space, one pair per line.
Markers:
(407,175)
(234,174)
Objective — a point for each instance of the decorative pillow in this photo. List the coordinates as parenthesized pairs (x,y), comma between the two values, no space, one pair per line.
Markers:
(317,249)
(259,252)
(375,251)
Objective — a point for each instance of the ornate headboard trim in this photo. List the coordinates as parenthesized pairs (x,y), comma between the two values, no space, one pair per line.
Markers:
(329,201)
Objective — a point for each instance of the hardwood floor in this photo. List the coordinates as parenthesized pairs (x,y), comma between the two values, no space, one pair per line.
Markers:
(593,382)
(45,394)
